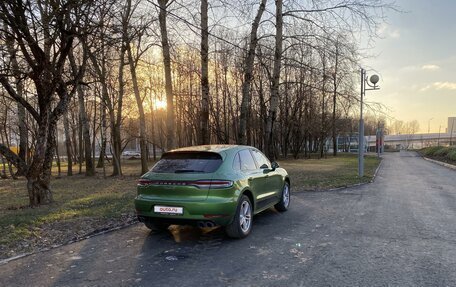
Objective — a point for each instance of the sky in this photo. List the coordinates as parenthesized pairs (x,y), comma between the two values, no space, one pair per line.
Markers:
(416,60)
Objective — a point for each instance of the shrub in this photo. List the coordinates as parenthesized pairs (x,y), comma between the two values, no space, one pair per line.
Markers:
(430,151)
(452,154)
(442,152)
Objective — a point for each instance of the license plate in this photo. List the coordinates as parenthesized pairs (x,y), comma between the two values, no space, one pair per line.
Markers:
(168,209)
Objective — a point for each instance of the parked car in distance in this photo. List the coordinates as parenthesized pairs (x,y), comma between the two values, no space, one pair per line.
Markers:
(211,185)
(131,154)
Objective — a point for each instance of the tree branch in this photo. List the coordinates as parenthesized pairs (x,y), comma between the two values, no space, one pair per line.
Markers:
(19,99)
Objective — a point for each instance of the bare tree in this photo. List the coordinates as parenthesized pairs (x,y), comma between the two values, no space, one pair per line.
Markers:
(274,101)
(85,127)
(133,63)
(248,74)
(163,5)
(45,43)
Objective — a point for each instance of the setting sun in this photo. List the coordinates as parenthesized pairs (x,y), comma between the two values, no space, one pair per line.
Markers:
(160,104)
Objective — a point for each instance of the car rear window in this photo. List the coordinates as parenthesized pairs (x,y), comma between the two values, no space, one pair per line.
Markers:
(188,162)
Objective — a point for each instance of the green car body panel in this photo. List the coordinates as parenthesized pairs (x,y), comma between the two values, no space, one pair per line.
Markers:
(203,202)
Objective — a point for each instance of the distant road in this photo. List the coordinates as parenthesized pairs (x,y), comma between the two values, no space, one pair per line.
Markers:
(398,231)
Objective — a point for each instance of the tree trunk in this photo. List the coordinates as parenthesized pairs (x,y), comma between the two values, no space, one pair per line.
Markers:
(274,102)
(152,122)
(66,127)
(323,107)
(94,130)
(39,174)
(248,75)
(4,135)
(3,174)
(57,155)
(142,117)
(85,128)
(334,127)
(102,154)
(116,121)
(204,118)
(168,80)
(80,144)
(116,148)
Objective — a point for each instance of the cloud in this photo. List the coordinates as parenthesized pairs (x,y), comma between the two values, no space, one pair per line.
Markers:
(430,67)
(451,86)
(386,31)
(416,68)
(394,34)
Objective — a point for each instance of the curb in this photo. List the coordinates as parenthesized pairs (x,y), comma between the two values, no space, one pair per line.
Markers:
(128,224)
(376,171)
(450,166)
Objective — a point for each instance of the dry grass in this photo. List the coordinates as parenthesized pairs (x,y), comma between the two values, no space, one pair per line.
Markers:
(84,205)
(81,206)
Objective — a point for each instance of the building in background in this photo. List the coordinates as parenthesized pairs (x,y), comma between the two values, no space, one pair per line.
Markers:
(451,129)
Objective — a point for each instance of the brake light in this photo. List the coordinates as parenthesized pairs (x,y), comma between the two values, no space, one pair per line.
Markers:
(213,184)
(144,182)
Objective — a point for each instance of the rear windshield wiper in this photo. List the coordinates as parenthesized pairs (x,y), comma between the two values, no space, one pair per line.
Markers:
(187,170)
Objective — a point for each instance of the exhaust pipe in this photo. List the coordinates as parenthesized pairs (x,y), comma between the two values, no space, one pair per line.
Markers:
(202,224)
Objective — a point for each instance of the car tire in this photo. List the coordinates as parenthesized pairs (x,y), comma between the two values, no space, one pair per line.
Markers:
(284,202)
(156,226)
(242,222)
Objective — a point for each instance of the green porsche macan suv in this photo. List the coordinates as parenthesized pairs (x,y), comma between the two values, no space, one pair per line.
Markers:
(211,185)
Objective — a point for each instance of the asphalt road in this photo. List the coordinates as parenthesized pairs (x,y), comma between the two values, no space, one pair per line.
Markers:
(398,231)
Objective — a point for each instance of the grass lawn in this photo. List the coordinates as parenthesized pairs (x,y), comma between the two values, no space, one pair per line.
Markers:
(332,172)
(86,205)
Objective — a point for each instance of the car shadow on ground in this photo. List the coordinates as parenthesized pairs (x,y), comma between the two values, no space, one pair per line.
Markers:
(188,234)
(137,253)
(181,246)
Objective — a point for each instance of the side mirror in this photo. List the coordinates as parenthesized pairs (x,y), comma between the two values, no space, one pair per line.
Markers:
(274,165)
(264,166)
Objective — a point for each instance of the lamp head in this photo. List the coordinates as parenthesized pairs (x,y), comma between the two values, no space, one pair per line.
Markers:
(374,79)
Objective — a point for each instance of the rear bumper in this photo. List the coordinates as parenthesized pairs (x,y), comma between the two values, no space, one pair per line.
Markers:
(220,211)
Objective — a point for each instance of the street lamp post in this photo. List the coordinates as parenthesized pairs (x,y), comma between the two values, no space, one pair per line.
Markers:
(373,86)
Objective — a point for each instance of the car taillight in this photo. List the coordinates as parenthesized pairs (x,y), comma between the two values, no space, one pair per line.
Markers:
(144,182)
(213,184)
(199,183)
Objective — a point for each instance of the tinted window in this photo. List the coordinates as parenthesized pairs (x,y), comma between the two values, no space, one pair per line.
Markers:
(237,162)
(188,162)
(260,158)
(247,162)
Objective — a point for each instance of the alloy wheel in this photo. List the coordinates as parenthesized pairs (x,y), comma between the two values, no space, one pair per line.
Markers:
(245,216)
